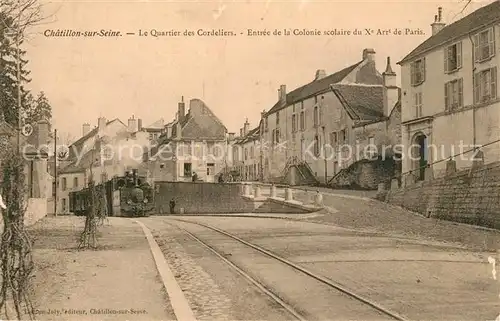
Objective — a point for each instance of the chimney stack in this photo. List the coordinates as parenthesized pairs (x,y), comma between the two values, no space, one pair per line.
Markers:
(391,90)
(139,124)
(85,129)
(263,114)
(320,73)
(438,23)
(282,93)
(132,124)
(246,127)
(101,125)
(369,54)
(241,132)
(181,109)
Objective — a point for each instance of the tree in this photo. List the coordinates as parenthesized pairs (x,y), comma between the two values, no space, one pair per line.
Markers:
(8,70)
(36,110)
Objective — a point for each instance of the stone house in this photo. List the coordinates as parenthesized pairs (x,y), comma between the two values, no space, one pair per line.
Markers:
(247,157)
(450,94)
(35,152)
(73,174)
(307,128)
(194,142)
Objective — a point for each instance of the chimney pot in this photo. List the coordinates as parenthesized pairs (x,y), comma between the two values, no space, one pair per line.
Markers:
(282,93)
(440,12)
(369,54)
(320,73)
(85,129)
(181,108)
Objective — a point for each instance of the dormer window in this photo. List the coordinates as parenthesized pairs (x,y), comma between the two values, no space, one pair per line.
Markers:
(453,57)
(484,45)
(417,72)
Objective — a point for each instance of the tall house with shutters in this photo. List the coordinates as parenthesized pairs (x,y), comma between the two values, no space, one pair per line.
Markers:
(312,134)
(450,94)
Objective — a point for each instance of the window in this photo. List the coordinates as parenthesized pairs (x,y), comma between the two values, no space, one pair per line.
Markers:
(418,105)
(277,118)
(333,139)
(485,85)
(294,123)
(302,105)
(246,153)
(63,183)
(302,121)
(484,45)
(75,182)
(343,136)
(453,57)
(418,72)
(453,94)
(210,169)
(316,145)
(293,108)
(252,155)
(266,124)
(64,204)
(277,135)
(187,169)
(316,116)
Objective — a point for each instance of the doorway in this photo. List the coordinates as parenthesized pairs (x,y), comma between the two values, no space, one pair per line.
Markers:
(421,158)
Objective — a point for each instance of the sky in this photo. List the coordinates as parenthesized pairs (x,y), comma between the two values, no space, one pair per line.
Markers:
(236,76)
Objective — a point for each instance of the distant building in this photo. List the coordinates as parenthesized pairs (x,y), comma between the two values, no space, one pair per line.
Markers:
(247,157)
(450,94)
(195,142)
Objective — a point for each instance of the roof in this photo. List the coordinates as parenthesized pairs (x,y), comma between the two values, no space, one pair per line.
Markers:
(159,124)
(361,102)
(312,88)
(93,132)
(482,17)
(251,136)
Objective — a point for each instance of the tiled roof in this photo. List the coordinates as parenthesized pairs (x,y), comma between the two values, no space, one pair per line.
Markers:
(93,132)
(482,17)
(361,102)
(251,136)
(312,88)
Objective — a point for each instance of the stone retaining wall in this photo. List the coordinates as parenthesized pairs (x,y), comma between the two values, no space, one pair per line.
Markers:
(469,196)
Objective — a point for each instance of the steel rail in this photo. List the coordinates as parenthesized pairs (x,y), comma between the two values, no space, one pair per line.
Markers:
(320,278)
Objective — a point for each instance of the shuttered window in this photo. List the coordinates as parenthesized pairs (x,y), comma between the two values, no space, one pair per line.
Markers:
(417,72)
(484,45)
(485,85)
(453,94)
(453,57)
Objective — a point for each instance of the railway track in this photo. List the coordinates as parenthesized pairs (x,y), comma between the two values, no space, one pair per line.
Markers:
(339,295)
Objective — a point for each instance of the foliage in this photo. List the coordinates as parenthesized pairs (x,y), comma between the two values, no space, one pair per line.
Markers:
(15,251)
(36,110)
(15,17)
(96,213)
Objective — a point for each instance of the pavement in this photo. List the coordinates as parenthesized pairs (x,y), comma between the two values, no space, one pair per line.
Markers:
(117,281)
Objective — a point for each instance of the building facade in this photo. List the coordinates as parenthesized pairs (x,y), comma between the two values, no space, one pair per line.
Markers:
(450,94)
(314,123)
(195,142)
(247,156)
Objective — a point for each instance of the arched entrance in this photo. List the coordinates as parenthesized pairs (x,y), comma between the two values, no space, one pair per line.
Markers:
(420,155)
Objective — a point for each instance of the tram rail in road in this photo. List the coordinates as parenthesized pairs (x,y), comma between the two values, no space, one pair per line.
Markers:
(298,315)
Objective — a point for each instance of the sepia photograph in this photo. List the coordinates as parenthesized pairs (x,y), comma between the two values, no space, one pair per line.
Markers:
(249,160)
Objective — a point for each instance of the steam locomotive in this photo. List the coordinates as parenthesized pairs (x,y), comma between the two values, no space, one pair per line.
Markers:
(129,195)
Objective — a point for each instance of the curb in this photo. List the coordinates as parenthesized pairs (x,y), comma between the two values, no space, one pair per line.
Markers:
(178,301)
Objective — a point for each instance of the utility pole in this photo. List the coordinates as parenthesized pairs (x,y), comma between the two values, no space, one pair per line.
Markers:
(55,172)
(18,67)
(324,156)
